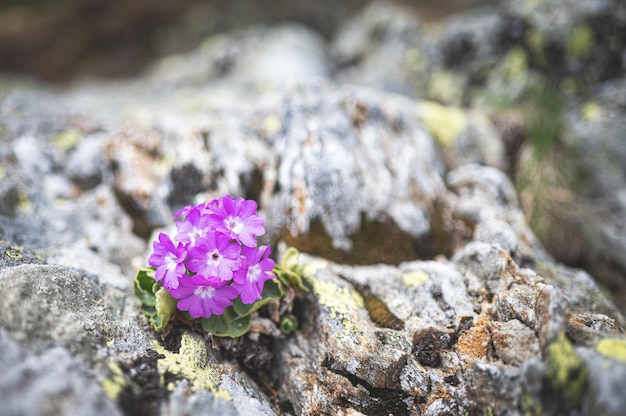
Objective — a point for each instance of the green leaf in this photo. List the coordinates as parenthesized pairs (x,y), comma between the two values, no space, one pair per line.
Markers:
(290,258)
(280,274)
(229,324)
(164,308)
(288,324)
(295,279)
(271,291)
(143,286)
(149,310)
(289,272)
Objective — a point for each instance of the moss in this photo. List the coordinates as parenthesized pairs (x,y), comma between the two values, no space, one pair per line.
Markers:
(415,278)
(543,114)
(613,347)
(534,40)
(529,406)
(565,369)
(580,42)
(446,124)
(114,384)
(191,363)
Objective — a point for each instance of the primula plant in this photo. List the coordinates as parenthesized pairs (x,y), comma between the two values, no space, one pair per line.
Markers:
(212,271)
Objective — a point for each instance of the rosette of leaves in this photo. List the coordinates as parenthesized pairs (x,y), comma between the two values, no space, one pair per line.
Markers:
(159,306)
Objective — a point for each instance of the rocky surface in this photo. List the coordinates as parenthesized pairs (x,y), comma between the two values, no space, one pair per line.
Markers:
(429,291)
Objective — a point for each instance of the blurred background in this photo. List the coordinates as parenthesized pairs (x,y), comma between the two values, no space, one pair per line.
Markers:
(63,39)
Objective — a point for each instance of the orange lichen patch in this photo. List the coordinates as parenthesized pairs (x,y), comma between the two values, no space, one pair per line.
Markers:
(474,343)
(510,264)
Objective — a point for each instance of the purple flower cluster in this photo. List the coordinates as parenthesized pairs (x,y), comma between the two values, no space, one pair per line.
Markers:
(213,258)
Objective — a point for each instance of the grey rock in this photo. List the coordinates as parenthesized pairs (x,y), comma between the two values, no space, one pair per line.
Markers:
(49,381)
(9,197)
(605,397)
(601,194)
(335,150)
(61,307)
(514,342)
(517,303)
(244,400)
(15,255)
(379,47)
(85,164)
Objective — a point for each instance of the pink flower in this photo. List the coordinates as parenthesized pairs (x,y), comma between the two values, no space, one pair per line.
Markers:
(168,260)
(202,299)
(194,226)
(212,259)
(237,219)
(214,256)
(205,208)
(256,269)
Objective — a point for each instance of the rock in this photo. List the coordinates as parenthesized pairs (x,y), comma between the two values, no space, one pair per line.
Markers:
(91,329)
(511,339)
(50,381)
(460,359)
(61,306)
(319,127)
(428,291)
(608,353)
(379,46)
(85,165)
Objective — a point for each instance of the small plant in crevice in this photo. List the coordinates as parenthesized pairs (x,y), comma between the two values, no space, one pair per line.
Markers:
(211,272)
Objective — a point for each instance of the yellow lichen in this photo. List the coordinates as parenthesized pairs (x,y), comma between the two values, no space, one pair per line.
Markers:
(114,385)
(445,123)
(613,347)
(23,201)
(67,140)
(415,278)
(566,370)
(341,301)
(445,87)
(580,42)
(590,111)
(271,124)
(415,60)
(13,254)
(535,3)
(191,363)
(515,63)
